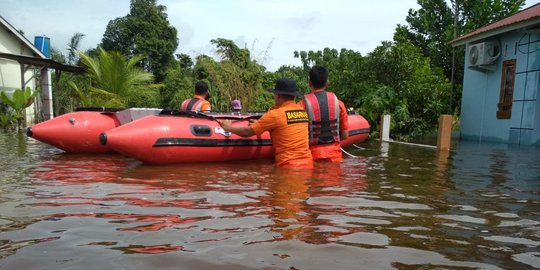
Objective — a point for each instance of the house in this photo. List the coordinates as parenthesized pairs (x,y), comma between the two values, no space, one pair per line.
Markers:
(501,84)
(23,65)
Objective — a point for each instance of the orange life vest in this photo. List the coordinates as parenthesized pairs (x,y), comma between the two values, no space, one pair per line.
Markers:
(192,104)
(323,110)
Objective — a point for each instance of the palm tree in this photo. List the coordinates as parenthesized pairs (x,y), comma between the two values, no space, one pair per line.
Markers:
(114,79)
(73,48)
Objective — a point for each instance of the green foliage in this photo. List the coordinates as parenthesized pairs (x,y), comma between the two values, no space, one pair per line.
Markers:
(19,100)
(115,81)
(420,93)
(236,76)
(178,86)
(66,98)
(73,48)
(394,79)
(477,13)
(7,119)
(432,27)
(144,31)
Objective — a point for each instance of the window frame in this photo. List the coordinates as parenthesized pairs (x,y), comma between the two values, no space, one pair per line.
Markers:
(506,94)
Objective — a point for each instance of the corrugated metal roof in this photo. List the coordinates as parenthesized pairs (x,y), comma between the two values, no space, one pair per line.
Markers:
(524,18)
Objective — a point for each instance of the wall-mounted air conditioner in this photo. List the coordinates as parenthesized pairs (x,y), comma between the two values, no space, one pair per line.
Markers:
(483,53)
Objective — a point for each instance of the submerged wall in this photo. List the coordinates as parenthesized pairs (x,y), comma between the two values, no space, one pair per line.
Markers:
(482,88)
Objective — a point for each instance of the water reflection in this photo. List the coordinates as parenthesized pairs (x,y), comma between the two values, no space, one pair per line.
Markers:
(393,207)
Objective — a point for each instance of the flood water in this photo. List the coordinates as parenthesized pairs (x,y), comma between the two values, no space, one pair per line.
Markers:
(394,206)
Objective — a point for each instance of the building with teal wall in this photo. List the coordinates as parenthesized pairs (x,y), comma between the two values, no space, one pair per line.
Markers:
(501,84)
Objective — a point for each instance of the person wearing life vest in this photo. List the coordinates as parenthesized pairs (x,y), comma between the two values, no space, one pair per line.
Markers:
(287,123)
(198,102)
(328,118)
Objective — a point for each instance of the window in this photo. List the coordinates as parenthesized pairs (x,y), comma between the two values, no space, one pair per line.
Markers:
(507,89)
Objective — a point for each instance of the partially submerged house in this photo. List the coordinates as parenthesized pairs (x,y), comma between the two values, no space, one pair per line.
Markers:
(23,65)
(501,84)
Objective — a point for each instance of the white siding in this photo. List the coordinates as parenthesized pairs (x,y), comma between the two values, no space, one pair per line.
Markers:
(10,70)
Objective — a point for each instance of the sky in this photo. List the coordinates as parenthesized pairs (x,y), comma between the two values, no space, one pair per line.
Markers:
(271,29)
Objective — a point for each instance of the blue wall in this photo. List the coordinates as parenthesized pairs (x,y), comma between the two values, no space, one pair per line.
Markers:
(481,89)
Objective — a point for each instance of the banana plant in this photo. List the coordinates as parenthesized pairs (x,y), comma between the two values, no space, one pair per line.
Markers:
(19,100)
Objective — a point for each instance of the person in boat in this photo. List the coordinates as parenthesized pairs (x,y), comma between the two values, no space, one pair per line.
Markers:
(236,106)
(328,118)
(287,123)
(198,102)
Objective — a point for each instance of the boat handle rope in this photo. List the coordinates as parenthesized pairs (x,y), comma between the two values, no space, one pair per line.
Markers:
(210,117)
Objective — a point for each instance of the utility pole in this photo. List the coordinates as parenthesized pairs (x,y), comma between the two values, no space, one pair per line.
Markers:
(456,13)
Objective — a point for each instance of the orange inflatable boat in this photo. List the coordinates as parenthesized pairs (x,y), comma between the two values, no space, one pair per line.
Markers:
(179,137)
(164,137)
(78,131)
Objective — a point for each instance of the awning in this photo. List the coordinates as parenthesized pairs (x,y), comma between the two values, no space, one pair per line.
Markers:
(40,62)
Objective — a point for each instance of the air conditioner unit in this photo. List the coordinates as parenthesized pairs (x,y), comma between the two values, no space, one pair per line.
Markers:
(484,53)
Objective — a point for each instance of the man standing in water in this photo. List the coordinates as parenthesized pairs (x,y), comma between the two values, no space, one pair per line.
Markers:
(198,102)
(287,123)
(328,119)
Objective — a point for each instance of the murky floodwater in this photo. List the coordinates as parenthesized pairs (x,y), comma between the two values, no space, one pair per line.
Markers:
(393,207)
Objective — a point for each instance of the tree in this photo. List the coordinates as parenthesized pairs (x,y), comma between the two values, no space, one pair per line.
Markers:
(145,30)
(65,99)
(73,48)
(235,76)
(406,87)
(477,13)
(345,70)
(395,78)
(435,24)
(430,29)
(178,84)
(115,80)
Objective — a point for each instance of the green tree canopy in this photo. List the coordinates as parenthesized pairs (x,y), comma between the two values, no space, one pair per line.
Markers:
(146,31)
(435,24)
(115,80)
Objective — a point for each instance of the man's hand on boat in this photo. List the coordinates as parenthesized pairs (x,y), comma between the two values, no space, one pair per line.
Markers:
(244,131)
(225,124)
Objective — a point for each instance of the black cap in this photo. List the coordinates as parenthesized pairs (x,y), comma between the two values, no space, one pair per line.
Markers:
(286,86)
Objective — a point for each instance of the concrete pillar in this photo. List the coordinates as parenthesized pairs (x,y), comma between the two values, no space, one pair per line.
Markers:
(385,128)
(46,94)
(445,132)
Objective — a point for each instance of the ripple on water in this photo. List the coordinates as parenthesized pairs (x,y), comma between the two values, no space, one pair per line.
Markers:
(366,238)
(362,202)
(463,218)
(513,240)
(529,258)
(519,223)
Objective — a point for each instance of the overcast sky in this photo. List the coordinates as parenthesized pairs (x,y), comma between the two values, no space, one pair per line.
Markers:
(271,29)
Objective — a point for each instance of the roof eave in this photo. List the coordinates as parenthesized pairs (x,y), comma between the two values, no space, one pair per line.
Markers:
(504,29)
(22,38)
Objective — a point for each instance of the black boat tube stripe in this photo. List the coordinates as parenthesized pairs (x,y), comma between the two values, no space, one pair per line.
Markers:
(359,131)
(165,142)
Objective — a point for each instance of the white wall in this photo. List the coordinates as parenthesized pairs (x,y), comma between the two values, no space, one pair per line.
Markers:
(10,70)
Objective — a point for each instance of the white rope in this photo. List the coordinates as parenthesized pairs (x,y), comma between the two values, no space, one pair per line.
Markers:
(359,147)
(348,154)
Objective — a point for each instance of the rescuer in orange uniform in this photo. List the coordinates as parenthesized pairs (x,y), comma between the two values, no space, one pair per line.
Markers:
(287,123)
(198,102)
(328,119)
